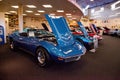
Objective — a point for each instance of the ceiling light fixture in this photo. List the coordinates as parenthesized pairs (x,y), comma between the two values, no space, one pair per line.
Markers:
(42,11)
(7,13)
(37,14)
(114,7)
(91,0)
(31,6)
(24,14)
(29,11)
(12,11)
(93,10)
(60,10)
(68,14)
(47,6)
(15,7)
(52,14)
(87,7)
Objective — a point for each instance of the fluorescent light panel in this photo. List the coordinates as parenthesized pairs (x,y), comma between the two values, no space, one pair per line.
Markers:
(83,10)
(29,11)
(42,11)
(47,6)
(93,10)
(7,13)
(113,6)
(68,14)
(15,6)
(31,6)
(12,11)
(37,14)
(87,6)
(24,14)
(91,0)
(52,14)
(60,10)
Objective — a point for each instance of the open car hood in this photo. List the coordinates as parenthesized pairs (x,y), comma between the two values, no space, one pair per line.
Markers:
(61,31)
(94,28)
(83,29)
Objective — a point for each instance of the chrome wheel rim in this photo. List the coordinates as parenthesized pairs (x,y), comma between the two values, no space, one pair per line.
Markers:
(41,57)
(11,45)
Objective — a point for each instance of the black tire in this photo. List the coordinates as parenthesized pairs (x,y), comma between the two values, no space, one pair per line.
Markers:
(43,57)
(12,45)
(81,41)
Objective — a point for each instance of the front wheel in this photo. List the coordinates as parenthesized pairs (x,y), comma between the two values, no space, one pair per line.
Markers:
(43,57)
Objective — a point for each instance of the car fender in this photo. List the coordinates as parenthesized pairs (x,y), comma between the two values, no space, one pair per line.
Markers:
(50,47)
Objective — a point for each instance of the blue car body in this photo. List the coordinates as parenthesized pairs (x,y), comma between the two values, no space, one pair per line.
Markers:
(85,38)
(63,49)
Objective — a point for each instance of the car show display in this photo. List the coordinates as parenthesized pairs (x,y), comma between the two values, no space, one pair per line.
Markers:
(60,47)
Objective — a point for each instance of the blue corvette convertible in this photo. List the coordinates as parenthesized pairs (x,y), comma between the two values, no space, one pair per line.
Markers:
(60,47)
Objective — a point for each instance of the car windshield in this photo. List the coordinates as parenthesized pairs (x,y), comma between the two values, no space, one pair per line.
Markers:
(106,28)
(88,29)
(44,32)
(39,33)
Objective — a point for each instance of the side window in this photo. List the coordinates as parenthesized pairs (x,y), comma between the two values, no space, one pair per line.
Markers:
(24,34)
(31,34)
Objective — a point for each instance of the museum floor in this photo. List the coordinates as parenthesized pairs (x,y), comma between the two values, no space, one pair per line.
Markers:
(102,65)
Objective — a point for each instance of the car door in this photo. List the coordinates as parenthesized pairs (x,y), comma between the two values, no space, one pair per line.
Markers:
(31,42)
(23,40)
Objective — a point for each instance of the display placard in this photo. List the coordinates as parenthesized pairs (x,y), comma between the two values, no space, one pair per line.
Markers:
(2,40)
(1,32)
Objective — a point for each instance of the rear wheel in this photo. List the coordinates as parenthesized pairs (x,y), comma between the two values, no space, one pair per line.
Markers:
(43,57)
(12,45)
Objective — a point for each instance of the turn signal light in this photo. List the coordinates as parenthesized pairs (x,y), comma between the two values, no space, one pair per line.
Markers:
(59,58)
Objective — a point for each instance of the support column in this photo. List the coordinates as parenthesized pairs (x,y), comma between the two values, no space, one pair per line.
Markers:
(89,13)
(2,23)
(20,17)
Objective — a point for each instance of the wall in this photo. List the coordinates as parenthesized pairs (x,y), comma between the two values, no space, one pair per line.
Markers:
(35,22)
(111,23)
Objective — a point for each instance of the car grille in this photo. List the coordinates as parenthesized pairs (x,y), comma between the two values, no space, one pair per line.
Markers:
(72,59)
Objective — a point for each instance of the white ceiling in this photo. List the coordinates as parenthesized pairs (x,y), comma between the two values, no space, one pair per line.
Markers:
(5,6)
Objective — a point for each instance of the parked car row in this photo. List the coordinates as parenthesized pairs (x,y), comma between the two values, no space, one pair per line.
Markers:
(108,31)
(114,32)
(60,45)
